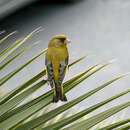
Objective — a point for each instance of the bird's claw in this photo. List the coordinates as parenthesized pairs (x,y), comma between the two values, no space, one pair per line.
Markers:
(46,79)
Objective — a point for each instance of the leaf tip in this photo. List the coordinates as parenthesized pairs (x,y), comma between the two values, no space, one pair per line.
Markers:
(13,33)
(36,43)
(113,60)
(84,57)
(123,75)
(37,30)
(1,32)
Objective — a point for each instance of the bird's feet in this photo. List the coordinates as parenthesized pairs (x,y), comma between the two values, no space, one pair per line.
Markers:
(46,79)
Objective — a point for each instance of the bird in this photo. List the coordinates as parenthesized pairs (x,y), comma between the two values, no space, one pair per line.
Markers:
(56,62)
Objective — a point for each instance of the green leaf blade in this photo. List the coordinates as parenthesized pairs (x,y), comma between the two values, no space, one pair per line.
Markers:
(73,118)
(18,99)
(42,119)
(13,58)
(87,124)
(11,45)
(17,90)
(36,106)
(2,58)
(115,125)
(125,127)
(2,40)
(34,79)
(11,74)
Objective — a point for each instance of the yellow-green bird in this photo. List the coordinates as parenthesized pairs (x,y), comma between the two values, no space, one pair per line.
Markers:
(56,62)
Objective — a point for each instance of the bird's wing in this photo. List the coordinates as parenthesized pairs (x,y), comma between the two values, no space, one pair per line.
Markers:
(63,67)
(49,72)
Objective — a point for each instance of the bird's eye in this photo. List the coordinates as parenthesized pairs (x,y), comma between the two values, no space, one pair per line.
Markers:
(62,39)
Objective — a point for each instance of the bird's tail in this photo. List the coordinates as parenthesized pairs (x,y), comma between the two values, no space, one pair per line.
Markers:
(59,94)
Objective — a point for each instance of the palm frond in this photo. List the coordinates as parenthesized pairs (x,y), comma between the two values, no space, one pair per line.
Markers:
(16,112)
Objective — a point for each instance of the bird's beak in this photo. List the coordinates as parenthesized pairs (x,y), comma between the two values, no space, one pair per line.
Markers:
(67,41)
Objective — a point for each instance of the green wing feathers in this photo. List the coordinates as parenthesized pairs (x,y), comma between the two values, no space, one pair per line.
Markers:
(56,82)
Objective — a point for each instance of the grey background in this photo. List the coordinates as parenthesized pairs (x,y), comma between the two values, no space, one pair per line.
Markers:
(99,29)
(9,6)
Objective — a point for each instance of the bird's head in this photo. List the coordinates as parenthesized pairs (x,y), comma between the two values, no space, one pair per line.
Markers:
(59,41)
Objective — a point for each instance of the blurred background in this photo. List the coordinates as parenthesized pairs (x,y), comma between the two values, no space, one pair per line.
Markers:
(99,29)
